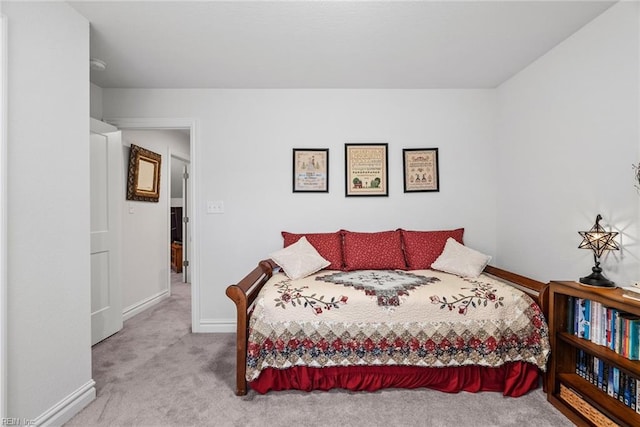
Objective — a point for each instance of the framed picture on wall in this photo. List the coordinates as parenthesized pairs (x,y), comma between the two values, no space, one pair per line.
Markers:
(420,170)
(143,178)
(366,169)
(310,170)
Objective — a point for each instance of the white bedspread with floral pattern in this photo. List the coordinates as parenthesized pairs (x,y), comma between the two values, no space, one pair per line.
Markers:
(386,317)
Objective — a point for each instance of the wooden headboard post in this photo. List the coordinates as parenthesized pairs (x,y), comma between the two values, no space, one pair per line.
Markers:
(243,295)
(536,290)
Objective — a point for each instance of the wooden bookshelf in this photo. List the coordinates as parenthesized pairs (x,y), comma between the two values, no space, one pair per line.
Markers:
(581,401)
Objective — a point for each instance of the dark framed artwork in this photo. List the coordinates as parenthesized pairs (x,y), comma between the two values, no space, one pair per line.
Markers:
(366,169)
(143,178)
(420,170)
(310,170)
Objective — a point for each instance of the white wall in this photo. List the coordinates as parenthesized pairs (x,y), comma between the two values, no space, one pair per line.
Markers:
(244,152)
(146,225)
(95,109)
(49,354)
(568,135)
(3,214)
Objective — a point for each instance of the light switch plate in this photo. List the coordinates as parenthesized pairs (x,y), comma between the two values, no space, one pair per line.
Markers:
(215,206)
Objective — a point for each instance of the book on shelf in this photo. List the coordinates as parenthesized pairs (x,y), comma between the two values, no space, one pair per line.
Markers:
(583,317)
(637,396)
(610,382)
(610,379)
(617,330)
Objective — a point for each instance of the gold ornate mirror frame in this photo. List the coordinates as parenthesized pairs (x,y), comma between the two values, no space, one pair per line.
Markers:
(143,181)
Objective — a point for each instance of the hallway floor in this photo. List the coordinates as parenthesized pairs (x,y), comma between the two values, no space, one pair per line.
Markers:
(151,331)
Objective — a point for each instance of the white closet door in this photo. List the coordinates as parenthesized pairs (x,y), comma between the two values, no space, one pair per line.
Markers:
(106,192)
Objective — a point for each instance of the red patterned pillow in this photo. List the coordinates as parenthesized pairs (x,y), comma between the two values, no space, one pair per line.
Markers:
(328,245)
(373,251)
(422,248)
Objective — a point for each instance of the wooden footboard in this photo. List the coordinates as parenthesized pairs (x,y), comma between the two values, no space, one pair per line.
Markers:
(245,292)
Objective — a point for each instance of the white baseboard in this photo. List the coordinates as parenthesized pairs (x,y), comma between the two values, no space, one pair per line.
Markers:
(141,306)
(216,326)
(64,410)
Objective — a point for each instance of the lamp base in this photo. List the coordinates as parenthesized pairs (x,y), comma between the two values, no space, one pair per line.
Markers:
(597,279)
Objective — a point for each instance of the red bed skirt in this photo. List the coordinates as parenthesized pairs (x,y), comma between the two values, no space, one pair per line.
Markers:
(512,379)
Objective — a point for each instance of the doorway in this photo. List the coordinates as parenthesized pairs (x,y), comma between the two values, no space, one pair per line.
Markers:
(185,125)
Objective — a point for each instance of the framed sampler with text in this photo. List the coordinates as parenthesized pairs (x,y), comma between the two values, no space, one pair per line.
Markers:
(420,170)
(366,169)
(310,170)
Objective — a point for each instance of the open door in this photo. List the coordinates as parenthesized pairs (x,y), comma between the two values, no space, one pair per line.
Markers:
(186,237)
(106,194)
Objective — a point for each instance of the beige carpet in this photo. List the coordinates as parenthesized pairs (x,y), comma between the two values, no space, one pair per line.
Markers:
(156,373)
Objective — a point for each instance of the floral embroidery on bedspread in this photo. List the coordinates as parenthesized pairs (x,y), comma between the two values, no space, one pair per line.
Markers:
(479,296)
(297,295)
(419,332)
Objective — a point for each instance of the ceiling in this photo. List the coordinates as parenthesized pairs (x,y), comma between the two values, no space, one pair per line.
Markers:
(325,44)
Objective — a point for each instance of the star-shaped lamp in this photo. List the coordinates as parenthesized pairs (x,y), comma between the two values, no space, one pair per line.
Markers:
(598,240)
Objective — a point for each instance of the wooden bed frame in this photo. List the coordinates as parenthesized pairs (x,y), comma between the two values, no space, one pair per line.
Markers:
(246,291)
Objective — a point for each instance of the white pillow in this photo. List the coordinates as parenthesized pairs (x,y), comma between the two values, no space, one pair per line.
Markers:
(460,260)
(299,259)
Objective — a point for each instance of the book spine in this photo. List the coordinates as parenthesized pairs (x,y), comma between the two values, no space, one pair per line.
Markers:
(618,328)
(600,368)
(609,313)
(627,391)
(625,346)
(614,330)
(610,382)
(587,319)
(632,393)
(603,325)
(593,322)
(577,309)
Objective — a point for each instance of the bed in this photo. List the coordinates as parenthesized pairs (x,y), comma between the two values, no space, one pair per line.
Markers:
(373,328)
